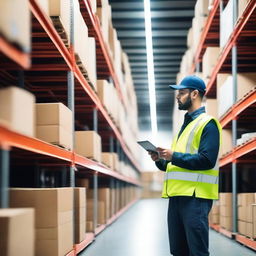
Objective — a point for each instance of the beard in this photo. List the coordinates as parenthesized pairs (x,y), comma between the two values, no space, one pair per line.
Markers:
(186,105)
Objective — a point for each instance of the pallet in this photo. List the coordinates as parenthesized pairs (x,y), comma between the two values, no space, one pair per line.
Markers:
(60,29)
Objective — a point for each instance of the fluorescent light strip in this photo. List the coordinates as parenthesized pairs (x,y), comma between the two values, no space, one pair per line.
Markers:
(150,65)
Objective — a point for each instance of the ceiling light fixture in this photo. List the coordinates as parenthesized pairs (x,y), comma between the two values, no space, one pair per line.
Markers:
(150,65)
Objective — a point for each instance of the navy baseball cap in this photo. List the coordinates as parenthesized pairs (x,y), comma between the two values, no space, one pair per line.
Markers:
(190,82)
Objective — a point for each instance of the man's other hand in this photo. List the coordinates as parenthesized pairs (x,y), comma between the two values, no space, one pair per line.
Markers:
(165,153)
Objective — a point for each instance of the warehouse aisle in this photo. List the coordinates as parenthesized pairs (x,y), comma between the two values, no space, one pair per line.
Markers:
(142,231)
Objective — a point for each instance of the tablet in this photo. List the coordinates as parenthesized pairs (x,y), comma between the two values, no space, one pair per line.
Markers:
(147,146)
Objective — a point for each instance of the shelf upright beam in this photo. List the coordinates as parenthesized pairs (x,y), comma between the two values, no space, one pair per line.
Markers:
(4,178)
(95,119)
(234,124)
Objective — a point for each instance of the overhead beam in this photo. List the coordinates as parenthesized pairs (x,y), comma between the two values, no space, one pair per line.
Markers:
(177,50)
(155,33)
(154,14)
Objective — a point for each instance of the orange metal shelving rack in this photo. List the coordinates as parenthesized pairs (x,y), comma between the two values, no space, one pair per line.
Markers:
(11,139)
(244,27)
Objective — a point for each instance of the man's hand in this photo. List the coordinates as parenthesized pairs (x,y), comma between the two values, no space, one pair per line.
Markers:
(165,153)
(154,156)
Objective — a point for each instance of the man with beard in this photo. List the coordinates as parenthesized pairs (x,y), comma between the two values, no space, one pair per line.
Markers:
(191,165)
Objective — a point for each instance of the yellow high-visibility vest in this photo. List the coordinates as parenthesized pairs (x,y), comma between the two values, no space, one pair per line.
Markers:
(184,182)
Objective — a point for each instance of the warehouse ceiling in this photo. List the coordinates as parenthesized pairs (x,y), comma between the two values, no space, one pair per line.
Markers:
(170,23)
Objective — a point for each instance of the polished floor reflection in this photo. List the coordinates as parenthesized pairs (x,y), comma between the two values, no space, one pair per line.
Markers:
(142,231)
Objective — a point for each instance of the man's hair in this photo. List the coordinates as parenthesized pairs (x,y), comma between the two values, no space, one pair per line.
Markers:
(201,94)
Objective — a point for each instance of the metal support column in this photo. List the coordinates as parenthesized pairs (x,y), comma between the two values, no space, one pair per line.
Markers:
(95,200)
(95,119)
(111,144)
(234,124)
(4,178)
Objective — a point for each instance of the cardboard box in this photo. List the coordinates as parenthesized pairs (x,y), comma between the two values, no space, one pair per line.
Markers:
(212,107)
(16,28)
(115,161)
(82,183)
(93,5)
(104,14)
(227,144)
(57,241)
(56,135)
(89,226)
(242,227)
(80,197)
(107,159)
(88,144)
(201,8)
(54,114)
(17,235)
(210,59)
(241,213)
(17,109)
(241,7)
(61,9)
(53,206)
(104,93)
(254,220)
(226,222)
(226,210)
(190,38)
(44,5)
(225,199)
(249,229)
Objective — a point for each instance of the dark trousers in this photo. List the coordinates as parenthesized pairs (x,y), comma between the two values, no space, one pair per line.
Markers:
(188,225)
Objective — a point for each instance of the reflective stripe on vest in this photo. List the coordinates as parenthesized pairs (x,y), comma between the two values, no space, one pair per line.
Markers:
(196,177)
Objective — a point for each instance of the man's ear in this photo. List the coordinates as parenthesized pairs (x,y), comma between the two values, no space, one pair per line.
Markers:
(195,94)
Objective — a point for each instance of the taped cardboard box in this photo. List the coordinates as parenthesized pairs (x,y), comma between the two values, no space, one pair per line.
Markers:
(17,232)
(83,183)
(53,206)
(88,144)
(56,241)
(242,227)
(17,110)
(226,222)
(210,59)
(107,159)
(16,28)
(227,144)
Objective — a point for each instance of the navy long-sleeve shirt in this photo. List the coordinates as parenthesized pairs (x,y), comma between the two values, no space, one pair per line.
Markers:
(208,150)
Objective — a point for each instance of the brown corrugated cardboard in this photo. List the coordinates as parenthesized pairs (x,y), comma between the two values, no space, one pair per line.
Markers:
(242,227)
(209,60)
(226,222)
(53,206)
(226,210)
(56,241)
(104,92)
(89,226)
(241,6)
(80,197)
(44,5)
(80,231)
(88,144)
(241,213)
(107,159)
(17,109)
(249,229)
(17,235)
(225,199)
(115,161)
(227,144)
(212,107)
(61,9)
(254,220)
(54,114)
(201,8)
(104,16)
(82,183)
(55,134)
(16,28)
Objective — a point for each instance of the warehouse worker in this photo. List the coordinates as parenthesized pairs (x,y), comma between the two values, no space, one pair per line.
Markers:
(191,181)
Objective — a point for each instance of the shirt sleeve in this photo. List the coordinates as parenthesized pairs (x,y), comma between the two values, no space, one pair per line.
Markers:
(207,154)
(162,164)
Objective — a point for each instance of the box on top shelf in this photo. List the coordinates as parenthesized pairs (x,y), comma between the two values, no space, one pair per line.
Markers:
(210,59)
(107,159)
(93,5)
(190,38)
(17,232)
(17,110)
(16,28)
(80,182)
(201,8)
(44,5)
(241,7)
(211,107)
(60,11)
(245,83)
(226,23)
(88,144)
(104,14)
(227,144)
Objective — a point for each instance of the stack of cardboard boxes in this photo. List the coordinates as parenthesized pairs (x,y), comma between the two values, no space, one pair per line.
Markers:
(16,28)
(214,215)
(225,201)
(246,214)
(17,234)
(53,217)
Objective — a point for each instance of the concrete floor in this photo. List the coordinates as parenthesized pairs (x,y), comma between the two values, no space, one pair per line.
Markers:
(142,231)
